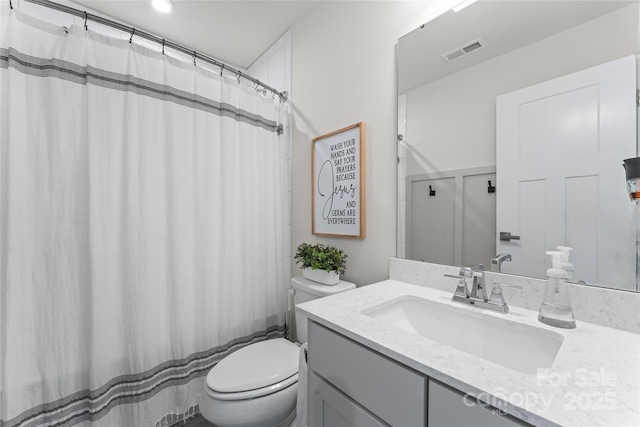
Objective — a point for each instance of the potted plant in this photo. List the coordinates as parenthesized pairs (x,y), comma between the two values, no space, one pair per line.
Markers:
(321,263)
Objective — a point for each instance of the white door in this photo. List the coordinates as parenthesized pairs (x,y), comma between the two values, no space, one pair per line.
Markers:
(559,151)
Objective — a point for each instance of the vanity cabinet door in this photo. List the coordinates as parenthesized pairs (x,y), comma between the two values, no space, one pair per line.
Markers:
(450,408)
(391,391)
(328,407)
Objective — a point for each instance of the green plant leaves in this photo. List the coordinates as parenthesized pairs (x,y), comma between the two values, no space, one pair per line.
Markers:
(320,256)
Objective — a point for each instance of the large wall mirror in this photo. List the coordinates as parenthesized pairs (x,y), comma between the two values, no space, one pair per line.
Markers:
(514,118)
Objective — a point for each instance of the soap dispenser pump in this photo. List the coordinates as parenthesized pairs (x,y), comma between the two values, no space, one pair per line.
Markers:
(556,306)
(566,264)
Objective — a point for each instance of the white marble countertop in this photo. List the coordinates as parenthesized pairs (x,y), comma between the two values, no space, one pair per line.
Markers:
(594,380)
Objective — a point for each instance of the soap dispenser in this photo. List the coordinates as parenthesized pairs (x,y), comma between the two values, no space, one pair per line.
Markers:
(556,306)
(566,261)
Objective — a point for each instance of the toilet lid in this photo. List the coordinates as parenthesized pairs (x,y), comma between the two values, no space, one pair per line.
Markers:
(319,289)
(255,366)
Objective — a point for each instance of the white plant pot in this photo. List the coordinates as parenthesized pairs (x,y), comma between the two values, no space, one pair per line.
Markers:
(322,276)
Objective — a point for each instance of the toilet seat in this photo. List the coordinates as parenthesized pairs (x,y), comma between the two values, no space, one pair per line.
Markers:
(255,370)
(252,394)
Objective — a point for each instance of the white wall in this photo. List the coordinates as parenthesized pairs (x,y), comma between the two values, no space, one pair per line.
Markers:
(344,72)
(274,69)
(451,122)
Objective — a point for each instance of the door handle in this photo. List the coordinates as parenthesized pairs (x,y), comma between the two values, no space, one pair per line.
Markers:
(506,236)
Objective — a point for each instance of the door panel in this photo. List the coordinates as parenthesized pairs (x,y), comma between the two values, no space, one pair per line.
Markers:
(560,146)
(478,219)
(432,221)
(457,225)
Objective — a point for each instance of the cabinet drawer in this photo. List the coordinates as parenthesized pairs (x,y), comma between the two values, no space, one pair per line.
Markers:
(450,408)
(328,407)
(389,390)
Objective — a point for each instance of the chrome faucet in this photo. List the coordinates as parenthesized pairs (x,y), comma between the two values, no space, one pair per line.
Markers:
(478,290)
(478,294)
(496,263)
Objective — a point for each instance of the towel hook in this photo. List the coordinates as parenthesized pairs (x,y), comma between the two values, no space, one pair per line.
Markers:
(133,31)
(491,188)
(86,28)
(432,192)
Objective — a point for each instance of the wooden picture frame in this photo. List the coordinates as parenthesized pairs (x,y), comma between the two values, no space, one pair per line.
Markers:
(338,179)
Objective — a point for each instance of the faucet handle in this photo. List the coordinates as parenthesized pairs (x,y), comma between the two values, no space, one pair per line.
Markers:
(461,289)
(496,294)
(476,270)
(506,285)
(464,275)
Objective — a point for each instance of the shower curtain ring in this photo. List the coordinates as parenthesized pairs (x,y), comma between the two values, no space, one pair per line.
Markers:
(221,69)
(194,58)
(239,75)
(85,21)
(163,46)
(133,31)
(10,4)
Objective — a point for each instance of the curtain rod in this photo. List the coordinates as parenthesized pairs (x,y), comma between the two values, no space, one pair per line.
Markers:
(165,43)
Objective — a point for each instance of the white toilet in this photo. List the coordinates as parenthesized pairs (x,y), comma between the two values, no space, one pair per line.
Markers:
(258,384)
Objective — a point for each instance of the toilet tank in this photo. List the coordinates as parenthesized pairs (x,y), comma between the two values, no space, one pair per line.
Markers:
(307,290)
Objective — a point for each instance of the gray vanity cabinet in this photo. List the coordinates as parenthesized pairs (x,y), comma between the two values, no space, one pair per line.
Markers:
(350,385)
(353,386)
(329,407)
(450,408)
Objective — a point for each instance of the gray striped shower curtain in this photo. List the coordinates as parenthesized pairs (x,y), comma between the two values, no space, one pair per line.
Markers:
(141,226)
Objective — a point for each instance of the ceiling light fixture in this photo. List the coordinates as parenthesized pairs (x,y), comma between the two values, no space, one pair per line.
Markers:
(457,8)
(162,6)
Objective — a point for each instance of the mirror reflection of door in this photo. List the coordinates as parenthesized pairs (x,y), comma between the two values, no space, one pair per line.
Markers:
(447,109)
(559,148)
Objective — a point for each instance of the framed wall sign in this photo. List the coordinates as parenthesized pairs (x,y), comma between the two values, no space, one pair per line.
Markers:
(338,183)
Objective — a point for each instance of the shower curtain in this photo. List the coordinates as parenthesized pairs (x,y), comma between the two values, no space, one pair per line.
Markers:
(141,226)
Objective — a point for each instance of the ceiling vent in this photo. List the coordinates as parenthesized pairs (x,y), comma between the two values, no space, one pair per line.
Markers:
(464,50)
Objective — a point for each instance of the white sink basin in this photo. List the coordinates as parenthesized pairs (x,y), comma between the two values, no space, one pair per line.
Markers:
(516,346)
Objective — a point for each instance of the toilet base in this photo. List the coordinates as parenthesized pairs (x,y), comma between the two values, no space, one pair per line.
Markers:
(274,410)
